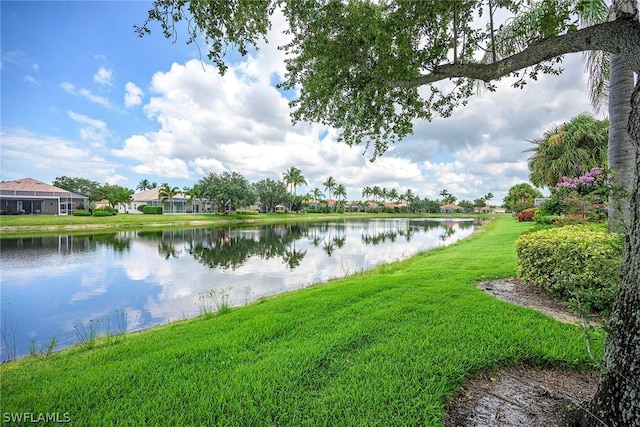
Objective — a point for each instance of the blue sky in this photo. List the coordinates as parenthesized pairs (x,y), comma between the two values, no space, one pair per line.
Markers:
(83,96)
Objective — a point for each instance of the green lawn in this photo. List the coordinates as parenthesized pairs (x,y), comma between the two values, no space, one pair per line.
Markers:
(22,225)
(381,348)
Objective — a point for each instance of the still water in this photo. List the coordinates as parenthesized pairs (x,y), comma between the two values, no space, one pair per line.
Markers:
(68,286)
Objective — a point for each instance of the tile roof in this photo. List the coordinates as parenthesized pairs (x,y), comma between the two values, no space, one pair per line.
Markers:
(33,185)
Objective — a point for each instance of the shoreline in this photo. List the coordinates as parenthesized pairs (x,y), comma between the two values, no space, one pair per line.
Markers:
(75,225)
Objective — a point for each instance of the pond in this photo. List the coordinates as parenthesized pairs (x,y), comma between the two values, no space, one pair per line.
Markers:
(66,288)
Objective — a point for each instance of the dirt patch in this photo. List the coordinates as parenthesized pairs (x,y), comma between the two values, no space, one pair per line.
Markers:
(522,395)
(525,294)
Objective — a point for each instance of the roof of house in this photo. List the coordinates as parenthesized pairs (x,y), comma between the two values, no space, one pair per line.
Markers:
(153,194)
(450,206)
(38,188)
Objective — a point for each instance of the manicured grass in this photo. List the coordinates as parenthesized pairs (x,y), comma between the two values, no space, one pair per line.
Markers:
(381,348)
(22,225)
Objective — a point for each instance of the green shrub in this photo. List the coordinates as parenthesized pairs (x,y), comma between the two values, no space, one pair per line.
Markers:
(247,212)
(141,208)
(552,206)
(102,212)
(152,210)
(577,264)
(109,209)
(81,213)
(547,219)
(526,215)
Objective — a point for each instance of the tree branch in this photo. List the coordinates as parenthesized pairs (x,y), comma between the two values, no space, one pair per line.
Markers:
(621,37)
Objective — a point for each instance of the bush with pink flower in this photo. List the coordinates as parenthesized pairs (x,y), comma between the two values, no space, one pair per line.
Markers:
(578,200)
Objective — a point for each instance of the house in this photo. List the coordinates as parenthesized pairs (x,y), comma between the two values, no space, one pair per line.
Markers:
(30,196)
(178,204)
(451,208)
(489,209)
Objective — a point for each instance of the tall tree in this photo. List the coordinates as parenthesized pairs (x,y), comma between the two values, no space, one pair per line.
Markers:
(341,194)
(117,195)
(447,198)
(623,152)
(521,197)
(294,178)
(610,83)
(359,66)
(271,193)
(228,190)
(194,194)
(330,185)
(167,192)
(92,189)
(571,149)
(144,185)
(366,192)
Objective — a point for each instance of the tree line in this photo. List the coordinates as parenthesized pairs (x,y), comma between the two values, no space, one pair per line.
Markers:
(229,191)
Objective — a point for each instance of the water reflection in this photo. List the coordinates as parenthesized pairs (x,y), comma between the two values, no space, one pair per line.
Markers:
(50,285)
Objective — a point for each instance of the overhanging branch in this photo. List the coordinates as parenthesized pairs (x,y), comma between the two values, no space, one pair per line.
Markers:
(621,37)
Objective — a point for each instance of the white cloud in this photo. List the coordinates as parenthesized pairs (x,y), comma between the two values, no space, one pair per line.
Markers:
(103,76)
(85,93)
(31,79)
(133,95)
(93,130)
(26,151)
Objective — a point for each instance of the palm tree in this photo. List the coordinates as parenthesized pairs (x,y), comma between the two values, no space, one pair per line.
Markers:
(168,193)
(393,195)
(608,76)
(330,184)
(194,193)
(409,198)
(366,192)
(571,149)
(384,194)
(293,177)
(144,185)
(341,193)
(622,150)
(376,192)
(447,198)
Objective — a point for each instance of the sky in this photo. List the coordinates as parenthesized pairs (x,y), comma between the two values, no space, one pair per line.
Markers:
(83,96)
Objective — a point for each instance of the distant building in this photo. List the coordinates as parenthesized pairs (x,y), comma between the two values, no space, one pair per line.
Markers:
(489,209)
(451,208)
(30,196)
(178,204)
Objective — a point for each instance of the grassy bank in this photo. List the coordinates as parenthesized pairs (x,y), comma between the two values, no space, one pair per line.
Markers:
(385,347)
(28,225)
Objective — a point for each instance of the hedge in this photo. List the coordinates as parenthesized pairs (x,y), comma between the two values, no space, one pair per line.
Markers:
(247,212)
(102,212)
(81,213)
(577,264)
(152,210)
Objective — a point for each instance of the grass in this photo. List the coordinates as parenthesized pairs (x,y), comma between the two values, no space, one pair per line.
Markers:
(12,226)
(381,348)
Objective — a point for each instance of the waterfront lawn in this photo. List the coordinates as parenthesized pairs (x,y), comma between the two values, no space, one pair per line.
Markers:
(12,226)
(384,347)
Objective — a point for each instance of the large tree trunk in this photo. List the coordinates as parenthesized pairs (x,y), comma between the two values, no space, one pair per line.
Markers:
(617,401)
(621,149)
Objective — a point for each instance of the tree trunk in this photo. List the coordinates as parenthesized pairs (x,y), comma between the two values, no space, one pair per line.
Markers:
(617,401)
(621,148)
